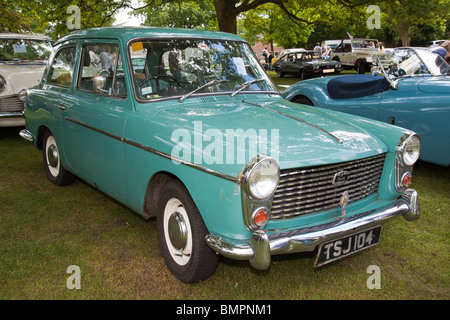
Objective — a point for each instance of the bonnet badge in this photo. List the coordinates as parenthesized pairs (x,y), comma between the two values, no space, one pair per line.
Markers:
(343,204)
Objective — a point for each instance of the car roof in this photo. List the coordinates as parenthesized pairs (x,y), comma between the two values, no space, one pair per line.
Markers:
(128,33)
(30,36)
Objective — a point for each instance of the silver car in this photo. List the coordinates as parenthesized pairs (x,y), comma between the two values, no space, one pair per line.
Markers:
(23,58)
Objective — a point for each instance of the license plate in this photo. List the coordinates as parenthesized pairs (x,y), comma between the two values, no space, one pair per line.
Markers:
(340,248)
(328,70)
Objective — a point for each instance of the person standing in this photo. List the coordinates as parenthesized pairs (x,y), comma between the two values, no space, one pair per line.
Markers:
(265,54)
(270,60)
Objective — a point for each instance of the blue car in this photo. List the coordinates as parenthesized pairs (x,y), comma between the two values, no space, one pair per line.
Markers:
(411,90)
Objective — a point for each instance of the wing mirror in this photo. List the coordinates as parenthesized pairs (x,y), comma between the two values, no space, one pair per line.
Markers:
(99,83)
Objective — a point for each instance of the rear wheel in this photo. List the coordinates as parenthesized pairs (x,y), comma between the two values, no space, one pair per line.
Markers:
(181,234)
(52,162)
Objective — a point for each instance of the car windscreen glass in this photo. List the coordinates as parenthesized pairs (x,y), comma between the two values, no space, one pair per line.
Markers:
(409,62)
(24,50)
(435,64)
(177,67)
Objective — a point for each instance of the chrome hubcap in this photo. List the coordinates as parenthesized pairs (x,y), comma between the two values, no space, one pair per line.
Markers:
(52,155)
(177,231)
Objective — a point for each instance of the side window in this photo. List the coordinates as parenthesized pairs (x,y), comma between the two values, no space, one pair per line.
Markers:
(61,70)
(102,71)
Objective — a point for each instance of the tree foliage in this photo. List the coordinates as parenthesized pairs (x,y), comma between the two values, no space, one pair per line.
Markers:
(179,14)
(290,23)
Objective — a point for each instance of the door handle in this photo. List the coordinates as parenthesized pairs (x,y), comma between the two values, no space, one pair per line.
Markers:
(63,106)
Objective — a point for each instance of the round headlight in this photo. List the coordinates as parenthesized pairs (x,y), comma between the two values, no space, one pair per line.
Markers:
(264,178)
(411,150)
(2,83)
(23,95)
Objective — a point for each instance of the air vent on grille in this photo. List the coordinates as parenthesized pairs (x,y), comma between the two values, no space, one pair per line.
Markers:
(308,190)
(10,104)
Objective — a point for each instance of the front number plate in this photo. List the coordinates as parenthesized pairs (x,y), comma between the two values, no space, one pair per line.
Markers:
(340,248)
(328,70)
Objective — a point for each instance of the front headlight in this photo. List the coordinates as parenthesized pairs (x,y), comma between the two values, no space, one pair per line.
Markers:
(263,179)
(406,155)
(411,150)
(259,181)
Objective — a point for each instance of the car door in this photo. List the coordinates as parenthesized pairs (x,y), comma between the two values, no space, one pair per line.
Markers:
(289,63)
(421,104)
(93,122)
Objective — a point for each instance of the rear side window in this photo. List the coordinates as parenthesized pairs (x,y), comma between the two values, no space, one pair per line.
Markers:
(102,61)
(61,70)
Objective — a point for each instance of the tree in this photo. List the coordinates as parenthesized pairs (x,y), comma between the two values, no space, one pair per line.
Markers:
(409,17)
(50,16)
(15,16)
(180,13)
(270,24)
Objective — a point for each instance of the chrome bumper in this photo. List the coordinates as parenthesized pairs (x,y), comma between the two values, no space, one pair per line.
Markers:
(261,246)
(12,119)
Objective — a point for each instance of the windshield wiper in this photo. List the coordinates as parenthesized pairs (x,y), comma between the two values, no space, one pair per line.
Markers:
(245,85)
(208,84)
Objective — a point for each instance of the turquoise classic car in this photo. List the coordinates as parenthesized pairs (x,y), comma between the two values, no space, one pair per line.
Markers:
(201,139)
(410,88)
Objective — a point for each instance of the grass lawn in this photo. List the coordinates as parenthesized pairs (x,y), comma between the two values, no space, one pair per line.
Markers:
(44,229)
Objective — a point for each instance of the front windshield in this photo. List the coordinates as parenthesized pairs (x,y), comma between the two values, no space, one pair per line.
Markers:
(24,50)
(410,62)
(310,56)
(365,44)
(177,67)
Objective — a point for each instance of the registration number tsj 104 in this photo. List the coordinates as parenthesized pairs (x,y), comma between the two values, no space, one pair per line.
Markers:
(345,246)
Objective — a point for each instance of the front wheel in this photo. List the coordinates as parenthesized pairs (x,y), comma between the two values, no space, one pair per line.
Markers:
(303,74)
(361,67)
(181,234)
(52,162)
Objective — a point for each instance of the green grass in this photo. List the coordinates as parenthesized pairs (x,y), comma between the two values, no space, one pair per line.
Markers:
(44,229)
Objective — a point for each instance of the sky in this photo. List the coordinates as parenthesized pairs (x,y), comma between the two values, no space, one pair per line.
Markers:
(122,17)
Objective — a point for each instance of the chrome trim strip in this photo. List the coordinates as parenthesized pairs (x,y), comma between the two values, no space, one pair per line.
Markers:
(11,114)
(297,119)
(157,152)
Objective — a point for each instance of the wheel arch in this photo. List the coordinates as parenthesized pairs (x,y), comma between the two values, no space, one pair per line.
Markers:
(153,192)
(300,98)
(40,134)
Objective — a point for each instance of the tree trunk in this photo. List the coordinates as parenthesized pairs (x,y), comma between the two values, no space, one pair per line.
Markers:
(226,15)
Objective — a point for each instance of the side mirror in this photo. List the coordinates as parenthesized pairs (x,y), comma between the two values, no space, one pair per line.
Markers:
(99,83)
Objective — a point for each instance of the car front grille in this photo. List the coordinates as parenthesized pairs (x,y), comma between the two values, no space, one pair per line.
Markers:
(309,190)
(11,104)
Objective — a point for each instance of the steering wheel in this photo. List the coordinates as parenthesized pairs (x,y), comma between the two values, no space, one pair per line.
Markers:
(103,73)
(157,77)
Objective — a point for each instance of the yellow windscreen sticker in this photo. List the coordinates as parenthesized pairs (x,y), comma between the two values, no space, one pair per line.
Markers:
(137,46)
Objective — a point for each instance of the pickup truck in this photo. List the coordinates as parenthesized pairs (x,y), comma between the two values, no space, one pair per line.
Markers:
(356,53)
